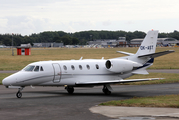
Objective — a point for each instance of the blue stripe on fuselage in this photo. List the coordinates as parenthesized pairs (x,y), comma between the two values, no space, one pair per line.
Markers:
(147,63)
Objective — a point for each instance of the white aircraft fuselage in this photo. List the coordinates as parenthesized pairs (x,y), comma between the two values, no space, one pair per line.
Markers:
(67,72)
(88,72)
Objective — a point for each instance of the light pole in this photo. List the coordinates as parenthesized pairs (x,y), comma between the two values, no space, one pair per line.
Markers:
(12,46)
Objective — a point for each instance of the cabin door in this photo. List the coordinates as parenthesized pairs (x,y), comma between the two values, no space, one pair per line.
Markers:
(57,73)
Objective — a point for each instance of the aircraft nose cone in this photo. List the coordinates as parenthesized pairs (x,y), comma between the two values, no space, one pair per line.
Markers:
(4,82)
(10,80)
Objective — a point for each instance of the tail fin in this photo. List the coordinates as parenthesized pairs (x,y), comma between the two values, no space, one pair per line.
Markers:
(146,52)
(148,45)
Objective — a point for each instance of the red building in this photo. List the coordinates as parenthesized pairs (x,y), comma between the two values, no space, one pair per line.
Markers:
(23,50)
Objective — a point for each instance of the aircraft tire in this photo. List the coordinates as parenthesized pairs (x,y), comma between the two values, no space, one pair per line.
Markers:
(106,91)
(19,94)
(70,90)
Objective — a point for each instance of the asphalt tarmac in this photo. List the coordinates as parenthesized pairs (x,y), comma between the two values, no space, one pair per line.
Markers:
(43,103)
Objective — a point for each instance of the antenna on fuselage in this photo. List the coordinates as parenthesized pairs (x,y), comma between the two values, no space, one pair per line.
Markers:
(81,58)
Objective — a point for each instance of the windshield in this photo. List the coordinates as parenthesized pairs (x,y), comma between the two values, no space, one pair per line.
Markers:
(33,68)
(29,68)
(36,69)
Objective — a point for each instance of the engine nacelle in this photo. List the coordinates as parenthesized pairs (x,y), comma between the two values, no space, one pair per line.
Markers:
(121,65)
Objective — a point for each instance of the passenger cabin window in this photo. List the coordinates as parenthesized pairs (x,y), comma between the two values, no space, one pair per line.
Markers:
(88,67)
(97,66)
(29,68)
(65,67)
(36,69)
(41,69)
(80,67)
(72,67)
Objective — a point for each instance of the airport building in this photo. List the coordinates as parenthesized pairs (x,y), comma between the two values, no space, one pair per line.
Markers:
(160,42)
(133,43)
(109,43)
(24,49)
(48,44)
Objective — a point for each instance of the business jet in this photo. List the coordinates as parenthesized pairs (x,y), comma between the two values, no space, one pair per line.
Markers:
(88,72)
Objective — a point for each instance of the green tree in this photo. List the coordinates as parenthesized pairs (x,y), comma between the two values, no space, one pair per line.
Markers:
(75,41)
(66,40)
(57,39)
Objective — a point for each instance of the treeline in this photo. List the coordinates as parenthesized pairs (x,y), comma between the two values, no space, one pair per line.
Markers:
(77,38)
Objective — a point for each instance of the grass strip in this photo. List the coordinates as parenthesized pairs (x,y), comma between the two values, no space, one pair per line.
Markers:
(16,62)
(171,101)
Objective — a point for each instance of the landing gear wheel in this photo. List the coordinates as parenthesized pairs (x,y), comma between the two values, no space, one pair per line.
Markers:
(70,90)
(106,91)
(19,94)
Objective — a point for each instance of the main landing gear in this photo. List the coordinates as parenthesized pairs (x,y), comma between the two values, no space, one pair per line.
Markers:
(19,93)
(107,89)
(69,89)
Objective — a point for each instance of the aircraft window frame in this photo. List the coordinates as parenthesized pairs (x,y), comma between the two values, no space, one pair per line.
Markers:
(64,67)
(80,67)
(41,68)
(97,66)
(36,69)
(72,67)
(88,67)
(29,68)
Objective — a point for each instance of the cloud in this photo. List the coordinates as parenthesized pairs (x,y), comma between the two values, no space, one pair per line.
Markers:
(23,24)
(27,17)
(107,23)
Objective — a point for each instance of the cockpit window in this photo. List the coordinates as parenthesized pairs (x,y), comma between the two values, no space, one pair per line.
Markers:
(36,69)
(41,69)
(29,68)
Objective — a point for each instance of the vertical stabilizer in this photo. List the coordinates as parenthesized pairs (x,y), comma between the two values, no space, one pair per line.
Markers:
(148,45)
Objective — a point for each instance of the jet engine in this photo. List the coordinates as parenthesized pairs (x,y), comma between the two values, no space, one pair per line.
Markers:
(121,65)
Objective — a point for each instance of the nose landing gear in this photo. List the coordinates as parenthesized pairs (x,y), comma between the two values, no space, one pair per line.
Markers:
(19,93)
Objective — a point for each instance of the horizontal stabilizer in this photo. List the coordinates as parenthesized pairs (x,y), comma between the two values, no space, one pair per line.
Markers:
(115,81)
(126,53)
(154,55)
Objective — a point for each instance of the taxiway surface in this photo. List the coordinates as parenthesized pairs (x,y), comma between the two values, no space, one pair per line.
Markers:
(44,103)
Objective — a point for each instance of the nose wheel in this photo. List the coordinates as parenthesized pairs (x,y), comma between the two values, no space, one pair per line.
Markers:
(19,93)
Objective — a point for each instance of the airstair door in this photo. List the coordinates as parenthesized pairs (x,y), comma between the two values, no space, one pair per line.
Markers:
(57,73)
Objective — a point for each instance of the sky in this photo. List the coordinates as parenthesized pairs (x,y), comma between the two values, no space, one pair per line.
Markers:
(26,17)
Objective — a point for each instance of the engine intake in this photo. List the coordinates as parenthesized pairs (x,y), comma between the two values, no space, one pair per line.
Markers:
(121,65)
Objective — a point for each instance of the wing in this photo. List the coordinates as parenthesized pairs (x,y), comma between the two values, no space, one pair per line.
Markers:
(114,81)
